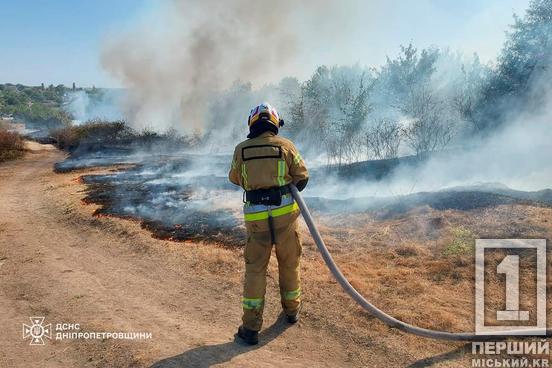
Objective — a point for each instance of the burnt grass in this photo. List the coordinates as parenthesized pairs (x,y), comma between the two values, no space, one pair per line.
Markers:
(462,199)
(168,207)
(186,197)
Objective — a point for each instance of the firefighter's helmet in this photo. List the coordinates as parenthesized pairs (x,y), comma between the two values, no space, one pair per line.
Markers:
(264,112)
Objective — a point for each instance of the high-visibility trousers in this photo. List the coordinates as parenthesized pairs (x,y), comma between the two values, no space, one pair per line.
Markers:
(257,255)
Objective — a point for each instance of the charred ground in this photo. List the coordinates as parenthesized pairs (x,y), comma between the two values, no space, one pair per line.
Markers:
(183,196)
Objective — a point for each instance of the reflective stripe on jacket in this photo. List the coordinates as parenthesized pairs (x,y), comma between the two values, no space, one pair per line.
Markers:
(256,212)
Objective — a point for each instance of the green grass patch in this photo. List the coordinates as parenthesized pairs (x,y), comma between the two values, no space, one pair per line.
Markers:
(463,242)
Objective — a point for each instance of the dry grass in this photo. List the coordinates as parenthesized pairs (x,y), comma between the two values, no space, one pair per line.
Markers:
(420,267)
(11,145)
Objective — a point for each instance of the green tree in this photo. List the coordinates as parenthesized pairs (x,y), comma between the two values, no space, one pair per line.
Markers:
(525,60)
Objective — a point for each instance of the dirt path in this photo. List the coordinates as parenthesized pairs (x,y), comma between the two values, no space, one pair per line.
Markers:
(59,262)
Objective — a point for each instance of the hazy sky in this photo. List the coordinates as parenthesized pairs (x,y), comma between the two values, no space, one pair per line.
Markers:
(60,41)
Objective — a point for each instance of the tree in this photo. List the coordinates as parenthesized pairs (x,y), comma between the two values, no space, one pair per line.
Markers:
(399,77)
(430,129)
(383,139)
(468,91)
(331,110)
(291,100)
(524,60)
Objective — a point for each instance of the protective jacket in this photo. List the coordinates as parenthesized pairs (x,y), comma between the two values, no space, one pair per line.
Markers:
(264,162)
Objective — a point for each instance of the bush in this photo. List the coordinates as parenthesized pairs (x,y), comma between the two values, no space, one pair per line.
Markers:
(66,138)
(99,134)
(11,145)
(71,137)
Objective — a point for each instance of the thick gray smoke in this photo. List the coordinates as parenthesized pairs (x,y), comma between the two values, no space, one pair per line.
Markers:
(184,51)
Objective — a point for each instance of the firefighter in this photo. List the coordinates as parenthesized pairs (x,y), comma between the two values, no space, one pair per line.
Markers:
(264,165)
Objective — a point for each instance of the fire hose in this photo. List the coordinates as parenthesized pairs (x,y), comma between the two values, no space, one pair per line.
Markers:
(378,313)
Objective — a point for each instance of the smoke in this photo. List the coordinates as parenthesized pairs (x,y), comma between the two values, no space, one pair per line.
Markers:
(174,60)
(185,56)
(515,155)
(101,104)
(179,53)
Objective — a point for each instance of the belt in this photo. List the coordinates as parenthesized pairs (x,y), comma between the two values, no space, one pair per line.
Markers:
(270,196)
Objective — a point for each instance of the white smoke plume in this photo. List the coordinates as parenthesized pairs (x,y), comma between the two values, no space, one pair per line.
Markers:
(184,51)
(90,105)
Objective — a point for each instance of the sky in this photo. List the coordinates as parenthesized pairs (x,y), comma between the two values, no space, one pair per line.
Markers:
(58,41)
(61,41)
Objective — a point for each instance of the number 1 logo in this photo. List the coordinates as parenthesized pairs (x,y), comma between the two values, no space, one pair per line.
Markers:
(509,266)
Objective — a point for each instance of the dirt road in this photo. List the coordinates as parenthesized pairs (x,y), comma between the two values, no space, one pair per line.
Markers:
(59,262)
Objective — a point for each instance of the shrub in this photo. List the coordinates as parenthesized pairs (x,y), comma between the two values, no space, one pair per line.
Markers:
(70,137)
(66,138)
(11,145)
(99,134)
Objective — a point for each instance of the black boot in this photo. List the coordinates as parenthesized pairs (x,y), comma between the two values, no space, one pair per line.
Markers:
(293,318)
(249,336)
